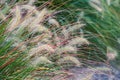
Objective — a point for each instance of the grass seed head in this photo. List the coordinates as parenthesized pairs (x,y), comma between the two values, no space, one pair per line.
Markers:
(78,40)
(40,60)
(111,53)
(70,58)
(39,49)
(53,22)
(66,49)
(96,4)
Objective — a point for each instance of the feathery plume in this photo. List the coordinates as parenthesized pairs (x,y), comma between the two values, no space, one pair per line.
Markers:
(111,54)
(66,49)
(40,48)
(38,28)
(31,9)
(70,58)
(65,32)
(40,60)
(75,27)
(53,22)
(40,17)
(15,21)
(78,40)
(96,4)
(27,21)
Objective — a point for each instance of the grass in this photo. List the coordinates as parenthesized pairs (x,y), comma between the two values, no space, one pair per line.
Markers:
(49,42)
(12,64)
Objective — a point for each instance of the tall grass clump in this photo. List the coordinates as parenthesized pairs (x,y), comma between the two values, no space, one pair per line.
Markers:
(38,43)
(46,39)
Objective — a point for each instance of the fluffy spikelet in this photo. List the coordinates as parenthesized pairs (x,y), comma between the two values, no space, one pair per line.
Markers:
(53,22)
(38,28)
(65,33)
(44,38)
(35,26)
(41,60)
(75,27)
(70,58)
(78,40)
(17,13)
(40,48)
(96,4)
(66,49)
(31,9)
(40,17)
(15,21)
(111,53)
(27,22)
